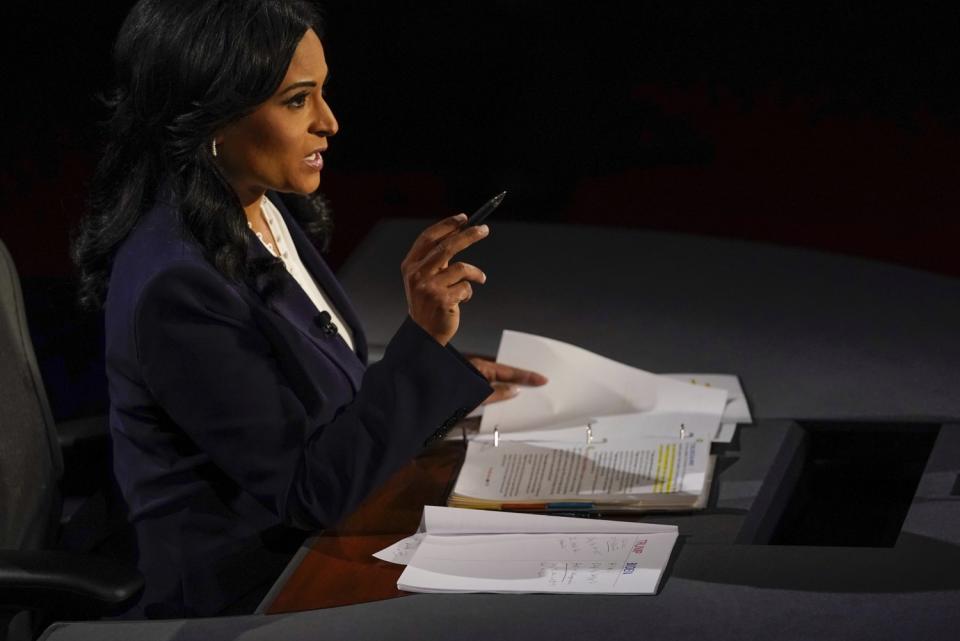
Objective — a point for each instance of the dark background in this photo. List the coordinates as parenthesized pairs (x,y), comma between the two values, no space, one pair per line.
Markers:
(833,127)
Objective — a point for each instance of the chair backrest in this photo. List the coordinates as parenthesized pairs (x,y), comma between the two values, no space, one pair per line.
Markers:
(30,461)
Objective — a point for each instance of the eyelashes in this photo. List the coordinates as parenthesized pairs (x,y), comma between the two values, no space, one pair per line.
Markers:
(300,100)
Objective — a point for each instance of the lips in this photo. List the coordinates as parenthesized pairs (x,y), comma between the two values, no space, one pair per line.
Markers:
(314,160)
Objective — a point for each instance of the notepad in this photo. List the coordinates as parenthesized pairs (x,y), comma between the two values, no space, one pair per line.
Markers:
(475,551)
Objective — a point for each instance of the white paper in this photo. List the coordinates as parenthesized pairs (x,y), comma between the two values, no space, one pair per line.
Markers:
(439,520)
(402,551)
(480,551)
(583,385)
(451,521)
(554,563)
(620,429)
(654,425)
(737,409)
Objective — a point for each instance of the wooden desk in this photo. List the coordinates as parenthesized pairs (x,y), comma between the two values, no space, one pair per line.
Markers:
(339,567)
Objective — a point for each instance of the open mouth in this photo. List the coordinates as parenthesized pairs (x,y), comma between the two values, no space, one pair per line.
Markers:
(314,160)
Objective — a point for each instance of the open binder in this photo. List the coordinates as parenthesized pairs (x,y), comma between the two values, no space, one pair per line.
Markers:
(600,436)
(623,471)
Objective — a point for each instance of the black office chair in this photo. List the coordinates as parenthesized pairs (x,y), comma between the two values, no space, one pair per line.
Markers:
(39,583)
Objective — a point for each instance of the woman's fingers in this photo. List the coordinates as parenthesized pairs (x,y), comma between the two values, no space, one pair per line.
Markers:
(429,237)
(459,293)
(445,249)
(461,271)
(434,289)
(506,380)
(507,374)
(501,392)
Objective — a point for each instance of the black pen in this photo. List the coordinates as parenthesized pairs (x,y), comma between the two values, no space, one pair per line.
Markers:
(481,214)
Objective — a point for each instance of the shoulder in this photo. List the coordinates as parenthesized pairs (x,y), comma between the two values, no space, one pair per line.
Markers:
(158,262)
(156,241)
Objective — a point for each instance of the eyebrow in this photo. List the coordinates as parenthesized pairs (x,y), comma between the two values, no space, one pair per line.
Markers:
(305,83)
(297,85)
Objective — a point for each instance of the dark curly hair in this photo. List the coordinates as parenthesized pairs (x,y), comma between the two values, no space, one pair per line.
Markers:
(184,69)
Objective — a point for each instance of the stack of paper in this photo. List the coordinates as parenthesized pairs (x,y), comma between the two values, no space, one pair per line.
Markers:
(476,551)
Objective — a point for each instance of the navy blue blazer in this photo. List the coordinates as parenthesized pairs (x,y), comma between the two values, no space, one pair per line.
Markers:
(234,417)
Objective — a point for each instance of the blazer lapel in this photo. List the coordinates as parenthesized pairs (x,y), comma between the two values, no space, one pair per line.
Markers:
(291,302)
(324,276)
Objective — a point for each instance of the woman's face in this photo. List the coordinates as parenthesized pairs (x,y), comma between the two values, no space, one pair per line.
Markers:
(278,146)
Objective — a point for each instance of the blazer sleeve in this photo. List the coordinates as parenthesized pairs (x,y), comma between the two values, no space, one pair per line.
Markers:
(213,372)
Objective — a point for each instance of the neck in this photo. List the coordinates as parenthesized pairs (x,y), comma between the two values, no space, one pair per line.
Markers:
(252,209)
(250,200)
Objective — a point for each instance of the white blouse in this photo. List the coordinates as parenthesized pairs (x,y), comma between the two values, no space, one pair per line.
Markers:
(287,252)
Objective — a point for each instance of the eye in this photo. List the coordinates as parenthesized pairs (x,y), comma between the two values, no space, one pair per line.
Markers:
(298,100)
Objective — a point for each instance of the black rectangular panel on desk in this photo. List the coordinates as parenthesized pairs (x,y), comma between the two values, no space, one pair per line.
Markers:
(840,484)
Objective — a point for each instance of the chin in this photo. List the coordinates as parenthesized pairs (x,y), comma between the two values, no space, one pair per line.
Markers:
(305,187)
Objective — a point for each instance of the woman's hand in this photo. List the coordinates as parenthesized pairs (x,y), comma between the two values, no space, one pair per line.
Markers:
(434,287)
(505,379)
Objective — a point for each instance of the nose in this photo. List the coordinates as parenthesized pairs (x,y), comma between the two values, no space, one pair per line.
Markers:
(324,122)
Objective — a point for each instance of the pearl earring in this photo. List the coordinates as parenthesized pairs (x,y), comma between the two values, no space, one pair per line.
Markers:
(214,148)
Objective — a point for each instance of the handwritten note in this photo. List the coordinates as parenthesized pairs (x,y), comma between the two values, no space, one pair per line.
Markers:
(402,551)
(532,553)
(610,563)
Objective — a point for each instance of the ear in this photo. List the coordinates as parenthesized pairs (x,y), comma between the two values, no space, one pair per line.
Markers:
(217,141)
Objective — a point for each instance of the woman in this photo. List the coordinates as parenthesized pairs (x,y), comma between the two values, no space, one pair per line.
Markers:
(241,407)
